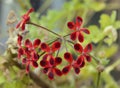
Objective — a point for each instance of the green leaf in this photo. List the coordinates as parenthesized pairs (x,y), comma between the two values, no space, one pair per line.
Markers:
(117,24)
(98,6)
(104,21)
(113,16)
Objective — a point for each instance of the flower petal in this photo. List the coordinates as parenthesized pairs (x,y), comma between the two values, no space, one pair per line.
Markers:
(79,21)
(88,48)
(80,37)
(45,47)
(23,26)
(45,70)
(77,70)
(35,56)
(52,61)
(58,72)
(20,52)
(51,75)
(35,64)
(19,40)
(24,60)
(18,25)
(66,69)
(71,25)
(56,46)
(88,58)
(27,68)
(44,63)
(85,30)
(80,60)
(28,43)
(73,36)
(78,47)
(83,64)
(68,57)
(36,43)
(58,60)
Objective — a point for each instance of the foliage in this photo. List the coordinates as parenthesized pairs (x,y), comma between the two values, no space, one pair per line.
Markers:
(103,36)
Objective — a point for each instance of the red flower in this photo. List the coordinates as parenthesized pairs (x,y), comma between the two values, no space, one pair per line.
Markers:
(25,19)
(84,52)
(50,49)
(77,30)
(29,54)
(72,63)
(50,66)
(19,40)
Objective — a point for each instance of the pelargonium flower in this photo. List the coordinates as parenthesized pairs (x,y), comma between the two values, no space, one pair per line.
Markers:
(19,40)
(50,49)
(50,66)
(25,19)
(75,64)
(28,53)
(84,52)
(76,27)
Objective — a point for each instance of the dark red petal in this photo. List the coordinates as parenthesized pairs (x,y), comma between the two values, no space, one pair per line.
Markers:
(45,57)
(18,25)
(27,68)
(68,57)
(58,72)
(30,11)
(80,37)
(19,40)
(36,43)
(78,47)
(20,52)
(43,63)
(52,61)
(56,46)
(51,75)
(45,70)
(45,47)
(35,56)
(24,60)
(35,64)
(73,36)
(28,43)
(79,21)
(85,30)
(88,58)
(66,69)
(23,26)
(27,52)
(80,60)
(77,70)
(71,25)
(88,48)
(58,60)
(83,64)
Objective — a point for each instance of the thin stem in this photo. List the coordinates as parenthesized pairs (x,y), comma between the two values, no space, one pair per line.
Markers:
(95,58)
(98,79)
(44,28)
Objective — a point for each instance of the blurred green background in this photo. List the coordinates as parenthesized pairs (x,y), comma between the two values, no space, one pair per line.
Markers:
(101,17)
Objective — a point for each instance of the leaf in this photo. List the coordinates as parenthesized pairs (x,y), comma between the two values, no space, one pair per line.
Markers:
(98,6)
(117,24)
(113,16)
(104,21)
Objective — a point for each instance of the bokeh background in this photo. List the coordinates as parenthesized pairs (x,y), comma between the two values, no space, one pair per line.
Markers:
(42,8)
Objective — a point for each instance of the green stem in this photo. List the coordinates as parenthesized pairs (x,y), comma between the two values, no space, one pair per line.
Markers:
(95,58)
(44,28)
(98,79)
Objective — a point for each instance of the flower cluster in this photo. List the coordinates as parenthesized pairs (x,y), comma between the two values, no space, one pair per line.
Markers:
(29,51)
